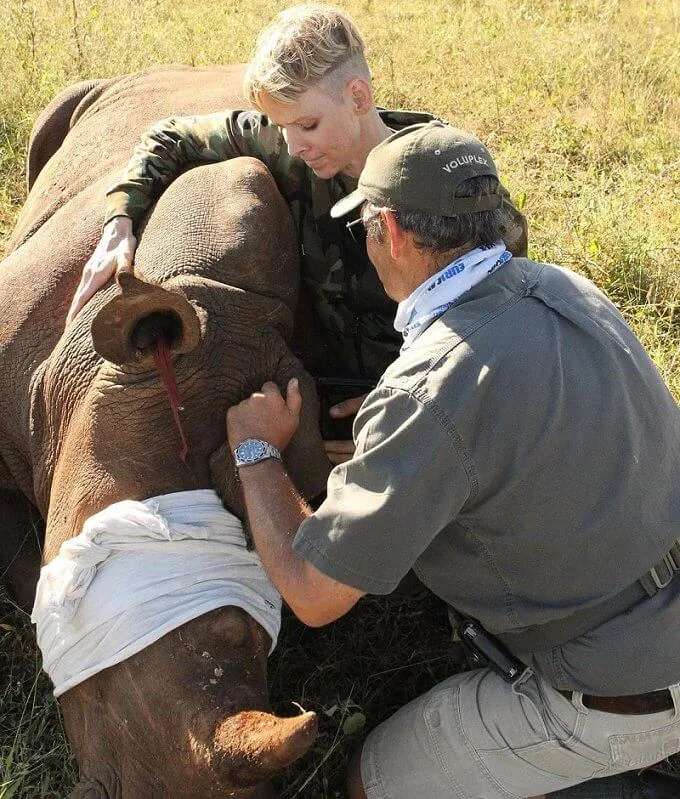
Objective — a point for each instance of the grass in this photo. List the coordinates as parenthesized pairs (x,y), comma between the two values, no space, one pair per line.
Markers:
(579,102)
(34,756)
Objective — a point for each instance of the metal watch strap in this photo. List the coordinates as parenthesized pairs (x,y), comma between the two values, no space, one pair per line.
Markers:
(254,450)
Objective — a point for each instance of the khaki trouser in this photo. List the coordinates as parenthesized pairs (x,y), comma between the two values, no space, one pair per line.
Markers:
(475,736)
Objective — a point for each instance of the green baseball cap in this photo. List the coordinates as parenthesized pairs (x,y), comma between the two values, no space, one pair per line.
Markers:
(419,169)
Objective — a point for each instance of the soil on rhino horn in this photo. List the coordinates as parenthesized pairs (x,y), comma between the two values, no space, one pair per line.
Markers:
(163,361)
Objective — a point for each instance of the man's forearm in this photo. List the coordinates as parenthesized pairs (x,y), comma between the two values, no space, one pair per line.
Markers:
(275,511)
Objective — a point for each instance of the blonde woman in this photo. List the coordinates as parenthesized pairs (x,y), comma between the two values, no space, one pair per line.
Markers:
(314,124)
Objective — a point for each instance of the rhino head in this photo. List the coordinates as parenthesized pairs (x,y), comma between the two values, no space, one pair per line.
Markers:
(188,716)
(88,423)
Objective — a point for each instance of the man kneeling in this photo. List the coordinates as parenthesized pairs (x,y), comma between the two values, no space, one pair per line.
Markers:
(521,455)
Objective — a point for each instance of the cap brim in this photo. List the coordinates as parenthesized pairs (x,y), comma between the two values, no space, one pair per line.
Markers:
(347,204)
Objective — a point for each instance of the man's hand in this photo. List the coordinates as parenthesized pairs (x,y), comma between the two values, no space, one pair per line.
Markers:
(342,451)
(266,415)
(113,254)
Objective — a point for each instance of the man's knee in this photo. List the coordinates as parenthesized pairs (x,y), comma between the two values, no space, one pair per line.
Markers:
(355,786)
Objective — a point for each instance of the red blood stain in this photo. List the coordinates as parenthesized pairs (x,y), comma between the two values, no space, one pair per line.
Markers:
(163,363)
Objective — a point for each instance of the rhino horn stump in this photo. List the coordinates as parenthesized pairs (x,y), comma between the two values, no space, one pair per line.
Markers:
(126,330)
(255,745)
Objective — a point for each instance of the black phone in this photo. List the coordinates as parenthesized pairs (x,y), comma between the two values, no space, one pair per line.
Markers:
(331,391)
(486,650)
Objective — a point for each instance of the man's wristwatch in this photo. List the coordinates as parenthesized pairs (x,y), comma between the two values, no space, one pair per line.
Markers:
(254,450)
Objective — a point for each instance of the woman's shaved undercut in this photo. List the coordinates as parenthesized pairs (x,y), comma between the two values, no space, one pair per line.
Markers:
(305,46)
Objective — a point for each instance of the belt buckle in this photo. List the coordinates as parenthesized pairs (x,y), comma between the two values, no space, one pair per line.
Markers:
(671,564)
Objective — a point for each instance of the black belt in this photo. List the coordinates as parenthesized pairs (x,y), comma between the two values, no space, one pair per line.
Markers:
(635,704)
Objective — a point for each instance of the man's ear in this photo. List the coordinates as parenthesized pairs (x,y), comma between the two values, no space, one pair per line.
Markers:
(397,235)
(360,93)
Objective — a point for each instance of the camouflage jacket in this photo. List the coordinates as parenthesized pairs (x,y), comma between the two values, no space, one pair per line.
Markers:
(349,331)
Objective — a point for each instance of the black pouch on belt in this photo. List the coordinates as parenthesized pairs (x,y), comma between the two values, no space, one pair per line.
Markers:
(484,649)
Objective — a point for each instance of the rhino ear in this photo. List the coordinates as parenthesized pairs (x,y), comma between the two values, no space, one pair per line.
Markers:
(126,329)
(225,481)
(305,456)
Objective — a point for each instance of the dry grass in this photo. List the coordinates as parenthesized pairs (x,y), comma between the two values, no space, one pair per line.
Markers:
(577,99)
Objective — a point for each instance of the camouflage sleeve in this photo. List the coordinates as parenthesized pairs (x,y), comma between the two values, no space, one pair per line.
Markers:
(172,145)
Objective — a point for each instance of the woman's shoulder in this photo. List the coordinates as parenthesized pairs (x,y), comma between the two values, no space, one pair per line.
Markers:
(398,118)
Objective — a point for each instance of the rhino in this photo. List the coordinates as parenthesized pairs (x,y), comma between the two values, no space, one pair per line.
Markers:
(86,421)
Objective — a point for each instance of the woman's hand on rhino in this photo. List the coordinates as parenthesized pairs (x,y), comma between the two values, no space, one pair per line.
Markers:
(266,415)
(114,253)
(342,451)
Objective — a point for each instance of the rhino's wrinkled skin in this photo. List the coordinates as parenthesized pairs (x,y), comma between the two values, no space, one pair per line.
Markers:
(78,432)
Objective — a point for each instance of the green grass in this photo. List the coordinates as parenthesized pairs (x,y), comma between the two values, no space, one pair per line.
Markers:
(579,102)
(34,756)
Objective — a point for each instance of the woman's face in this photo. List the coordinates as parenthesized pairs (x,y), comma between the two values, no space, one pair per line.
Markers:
(322,130)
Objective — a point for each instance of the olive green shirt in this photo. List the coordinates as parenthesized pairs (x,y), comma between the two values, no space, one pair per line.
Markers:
(349,332)
(522,456)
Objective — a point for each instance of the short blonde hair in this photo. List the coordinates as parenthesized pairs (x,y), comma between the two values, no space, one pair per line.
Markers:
(302,46)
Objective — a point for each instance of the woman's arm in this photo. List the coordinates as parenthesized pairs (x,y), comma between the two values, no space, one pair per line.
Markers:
(164,152)
(173,145)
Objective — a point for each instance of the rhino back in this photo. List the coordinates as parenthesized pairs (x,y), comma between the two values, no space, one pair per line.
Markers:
(102,138)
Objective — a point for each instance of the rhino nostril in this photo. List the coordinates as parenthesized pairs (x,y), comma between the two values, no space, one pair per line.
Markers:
(157,326)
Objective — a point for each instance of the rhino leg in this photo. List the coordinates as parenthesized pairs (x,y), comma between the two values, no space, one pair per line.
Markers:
(21,538)
(53,124)
(90,790)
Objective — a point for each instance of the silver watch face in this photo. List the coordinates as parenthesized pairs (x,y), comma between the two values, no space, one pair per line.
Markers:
(250,450)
